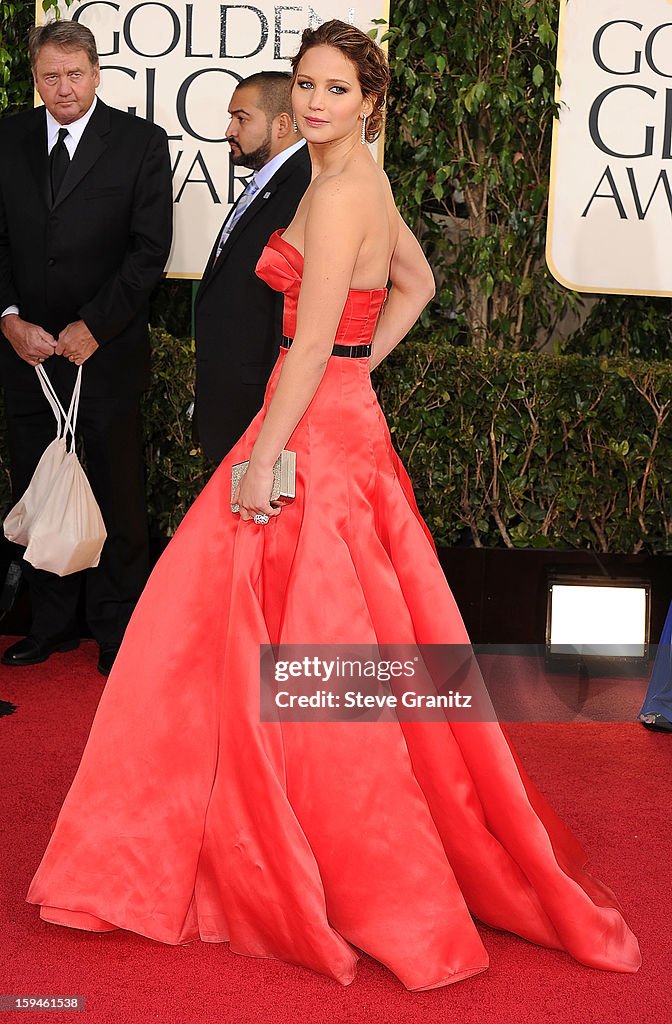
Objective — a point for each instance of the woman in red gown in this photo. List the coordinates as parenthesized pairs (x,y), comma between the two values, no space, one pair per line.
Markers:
(189,817)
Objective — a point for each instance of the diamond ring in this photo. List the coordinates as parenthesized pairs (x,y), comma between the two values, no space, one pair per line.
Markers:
(261,519)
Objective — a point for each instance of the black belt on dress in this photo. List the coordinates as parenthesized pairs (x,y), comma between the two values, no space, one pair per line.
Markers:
(349,351)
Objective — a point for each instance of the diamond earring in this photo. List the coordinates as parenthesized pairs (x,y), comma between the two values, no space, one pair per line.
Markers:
(295,126)
(363,129)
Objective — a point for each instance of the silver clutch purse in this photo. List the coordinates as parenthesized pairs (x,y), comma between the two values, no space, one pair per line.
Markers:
(284,479)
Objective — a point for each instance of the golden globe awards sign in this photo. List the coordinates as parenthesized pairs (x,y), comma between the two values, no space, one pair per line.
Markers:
(177,65)
(610,206)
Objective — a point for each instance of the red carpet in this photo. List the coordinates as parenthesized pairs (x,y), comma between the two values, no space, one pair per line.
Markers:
(611,782)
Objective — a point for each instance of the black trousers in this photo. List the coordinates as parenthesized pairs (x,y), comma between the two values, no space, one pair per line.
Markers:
(109,431)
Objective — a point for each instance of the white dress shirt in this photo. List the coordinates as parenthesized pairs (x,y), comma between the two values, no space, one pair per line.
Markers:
(75,130)
(264,175)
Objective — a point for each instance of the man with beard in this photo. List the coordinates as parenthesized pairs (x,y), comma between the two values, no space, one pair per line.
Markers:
(238,317)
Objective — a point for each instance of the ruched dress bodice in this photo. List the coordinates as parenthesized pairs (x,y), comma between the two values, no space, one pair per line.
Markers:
(281,266)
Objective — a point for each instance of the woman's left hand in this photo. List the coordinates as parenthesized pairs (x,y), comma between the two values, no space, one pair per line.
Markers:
(254,491)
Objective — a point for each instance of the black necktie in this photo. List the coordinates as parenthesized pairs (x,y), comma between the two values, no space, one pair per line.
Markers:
(59,162)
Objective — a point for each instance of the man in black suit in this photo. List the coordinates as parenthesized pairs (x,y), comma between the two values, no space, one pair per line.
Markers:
(238,317)
(85,232)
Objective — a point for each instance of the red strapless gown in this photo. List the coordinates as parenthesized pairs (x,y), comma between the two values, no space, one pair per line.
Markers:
(189,818)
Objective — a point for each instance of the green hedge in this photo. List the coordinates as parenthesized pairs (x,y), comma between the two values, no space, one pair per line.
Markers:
(528,450)
(515,449)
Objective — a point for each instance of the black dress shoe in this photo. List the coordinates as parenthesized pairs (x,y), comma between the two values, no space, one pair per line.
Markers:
(656,723)
(32,650)
(106,656)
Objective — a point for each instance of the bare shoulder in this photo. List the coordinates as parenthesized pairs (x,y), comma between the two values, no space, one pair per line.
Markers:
(333,190)
(335,206)
(362,189)
(350,218)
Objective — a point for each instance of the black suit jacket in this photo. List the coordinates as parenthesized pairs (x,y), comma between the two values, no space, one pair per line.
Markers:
(94,254)
(239,318)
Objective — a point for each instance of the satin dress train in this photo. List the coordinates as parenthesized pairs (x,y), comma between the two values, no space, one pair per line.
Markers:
(189,817)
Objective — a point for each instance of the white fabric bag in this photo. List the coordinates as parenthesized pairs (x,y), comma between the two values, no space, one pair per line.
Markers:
(58,520)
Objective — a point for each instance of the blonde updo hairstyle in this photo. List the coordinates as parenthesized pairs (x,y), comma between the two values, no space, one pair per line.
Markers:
(368,59)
